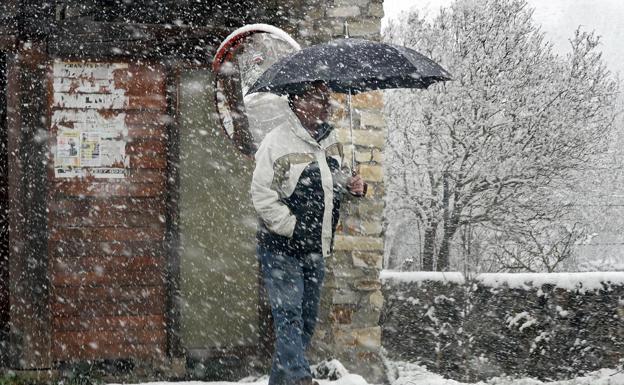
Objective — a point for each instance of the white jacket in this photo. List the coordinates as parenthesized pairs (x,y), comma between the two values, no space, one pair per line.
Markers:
(281,158)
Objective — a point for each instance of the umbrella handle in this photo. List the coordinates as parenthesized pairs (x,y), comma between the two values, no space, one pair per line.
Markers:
(351,131)
(353,163)
(365,190)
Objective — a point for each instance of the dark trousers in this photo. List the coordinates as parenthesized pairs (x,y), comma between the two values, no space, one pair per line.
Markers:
(293,284)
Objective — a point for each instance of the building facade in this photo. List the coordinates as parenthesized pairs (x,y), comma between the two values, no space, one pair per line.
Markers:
(127,230)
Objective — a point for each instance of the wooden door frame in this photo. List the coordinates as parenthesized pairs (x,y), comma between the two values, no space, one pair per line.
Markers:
(172,232)
(4,214)
(29,282)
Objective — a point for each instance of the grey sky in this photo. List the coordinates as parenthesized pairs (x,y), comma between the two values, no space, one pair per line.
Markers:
(559,19)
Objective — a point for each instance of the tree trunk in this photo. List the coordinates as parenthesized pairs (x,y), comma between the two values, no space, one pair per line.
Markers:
(430,232)
(443,257)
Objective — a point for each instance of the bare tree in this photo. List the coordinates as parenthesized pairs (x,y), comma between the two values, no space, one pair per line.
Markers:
(492,148)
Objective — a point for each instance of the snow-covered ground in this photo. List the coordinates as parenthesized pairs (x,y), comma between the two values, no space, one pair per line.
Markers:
(405,373)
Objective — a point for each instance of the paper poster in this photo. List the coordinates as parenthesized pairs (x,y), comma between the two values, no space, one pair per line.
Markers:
(113,152)
(90,123)
(108,172)
(89,149)
(68,148)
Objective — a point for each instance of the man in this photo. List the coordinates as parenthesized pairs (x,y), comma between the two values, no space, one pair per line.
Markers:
(297,186)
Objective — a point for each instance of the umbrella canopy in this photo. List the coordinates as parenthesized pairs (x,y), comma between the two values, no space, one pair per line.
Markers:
(351,66)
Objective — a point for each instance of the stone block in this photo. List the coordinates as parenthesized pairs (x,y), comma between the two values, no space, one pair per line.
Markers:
(349,207)
(351,225)
(319,33)
(377,155)
(367,259)
(372,119)
(375,190)
(368,138)
(373,227)
(376,299)
(342,314)
(371,173)
(372,100)
(358,359)
(368,100)
(346,3)
(337,27)
(347,242)
(345,297)
(371,210)
(371,367)
(341,119)
(352,274)
(365,155)
(316,13)
(340,259)
(376,10)
(368,285)
(355,226)
(344,338)
(366,28)
(356,120)
(344,287)
(368,338)
(348,11)
(365,316)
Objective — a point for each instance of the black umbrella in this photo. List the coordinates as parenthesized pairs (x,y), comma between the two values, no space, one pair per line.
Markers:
(351,66)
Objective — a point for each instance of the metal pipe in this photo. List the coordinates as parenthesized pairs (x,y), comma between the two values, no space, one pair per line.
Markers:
(346,35)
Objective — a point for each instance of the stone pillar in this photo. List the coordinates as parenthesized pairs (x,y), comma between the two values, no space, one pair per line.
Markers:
(349,326)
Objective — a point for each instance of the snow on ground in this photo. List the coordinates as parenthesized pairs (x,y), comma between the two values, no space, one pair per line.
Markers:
(407,373)
(349,379)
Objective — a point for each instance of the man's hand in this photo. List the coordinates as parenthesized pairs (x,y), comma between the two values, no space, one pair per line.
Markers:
(355,185)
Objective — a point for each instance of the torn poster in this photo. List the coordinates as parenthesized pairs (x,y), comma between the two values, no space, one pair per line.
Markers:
(91,131)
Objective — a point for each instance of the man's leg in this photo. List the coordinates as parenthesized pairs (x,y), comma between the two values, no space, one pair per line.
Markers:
(313,274)
(283,279)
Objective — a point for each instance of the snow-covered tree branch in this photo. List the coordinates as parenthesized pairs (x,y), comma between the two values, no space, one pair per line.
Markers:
(489,151)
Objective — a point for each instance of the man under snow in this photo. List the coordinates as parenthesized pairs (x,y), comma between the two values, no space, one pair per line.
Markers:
(297,186)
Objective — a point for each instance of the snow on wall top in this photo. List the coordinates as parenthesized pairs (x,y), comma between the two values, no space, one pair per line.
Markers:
(420,276)
(583,282)
(588,281)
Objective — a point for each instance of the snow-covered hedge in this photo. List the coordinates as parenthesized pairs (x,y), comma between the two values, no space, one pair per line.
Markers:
(540,325)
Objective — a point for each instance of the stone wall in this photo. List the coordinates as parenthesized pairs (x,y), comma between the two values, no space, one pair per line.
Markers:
(317,21)
(479,328)
(352,299)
